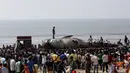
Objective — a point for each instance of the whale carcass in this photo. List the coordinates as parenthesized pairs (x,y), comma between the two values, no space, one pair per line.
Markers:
(72,42)
(64,42)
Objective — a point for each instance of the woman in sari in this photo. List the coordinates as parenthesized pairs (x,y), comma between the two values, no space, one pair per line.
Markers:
(26,69)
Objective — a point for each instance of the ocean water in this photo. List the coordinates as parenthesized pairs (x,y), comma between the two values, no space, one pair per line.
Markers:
(41,29)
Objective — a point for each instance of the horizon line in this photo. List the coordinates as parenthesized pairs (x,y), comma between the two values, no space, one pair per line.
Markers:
(85,34)
(70,19)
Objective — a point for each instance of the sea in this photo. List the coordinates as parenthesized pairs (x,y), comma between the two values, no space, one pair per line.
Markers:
(41,29)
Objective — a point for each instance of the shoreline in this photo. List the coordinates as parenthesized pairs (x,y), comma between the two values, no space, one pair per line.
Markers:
(38,39)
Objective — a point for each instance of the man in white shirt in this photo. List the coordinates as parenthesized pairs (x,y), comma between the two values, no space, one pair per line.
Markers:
(90,40)
(18,66)
(94,60)
(105,61)
(12,65)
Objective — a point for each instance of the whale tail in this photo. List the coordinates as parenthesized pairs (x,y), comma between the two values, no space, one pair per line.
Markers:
(68,36)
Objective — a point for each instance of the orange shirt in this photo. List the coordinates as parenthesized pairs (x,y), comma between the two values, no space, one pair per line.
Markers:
(119,64)
(26,69)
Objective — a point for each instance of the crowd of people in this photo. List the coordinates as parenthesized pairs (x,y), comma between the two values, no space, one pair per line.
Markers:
(61,60)
(105,59)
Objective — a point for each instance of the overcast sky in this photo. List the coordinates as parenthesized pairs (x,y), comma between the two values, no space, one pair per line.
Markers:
(65,9)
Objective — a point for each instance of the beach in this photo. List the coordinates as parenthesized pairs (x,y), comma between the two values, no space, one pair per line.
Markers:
(110,30)
(64,36)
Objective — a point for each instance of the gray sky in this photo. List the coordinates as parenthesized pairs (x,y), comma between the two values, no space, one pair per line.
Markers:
(65,9)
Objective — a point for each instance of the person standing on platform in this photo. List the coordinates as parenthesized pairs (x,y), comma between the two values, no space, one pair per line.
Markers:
(101,40)
(90,40)
(126,41)
(53,32)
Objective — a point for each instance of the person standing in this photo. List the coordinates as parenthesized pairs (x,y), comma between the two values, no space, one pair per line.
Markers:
(31,65)
(18,66)
(44,60)
(113,68)
(126,41)
(62,64)
(12,65)
(53,32)
(105,61)
(4,69)
(82,61)
(101,41)
(90,40)
(26,69)
(54,59)
(94,60)
(100,59)
(88,63)
(61,67)
(73,64)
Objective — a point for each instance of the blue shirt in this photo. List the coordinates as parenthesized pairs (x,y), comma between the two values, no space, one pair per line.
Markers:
(4,70)
(63,56)
(30,65)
